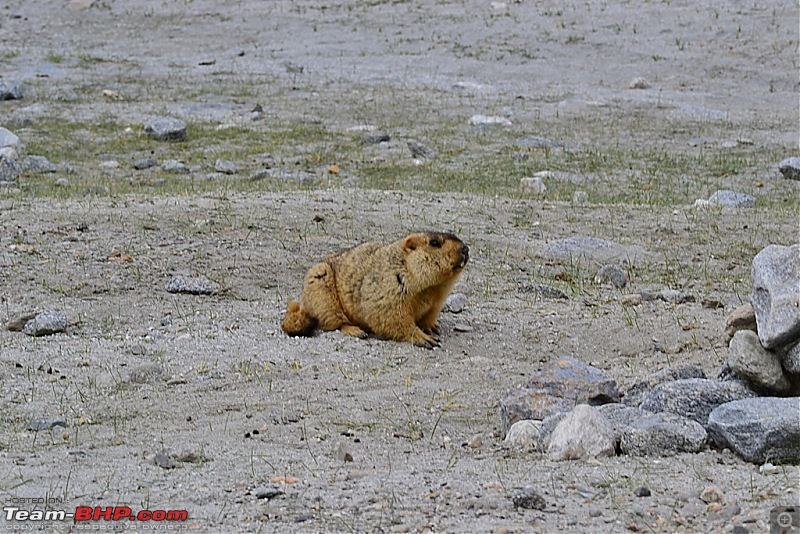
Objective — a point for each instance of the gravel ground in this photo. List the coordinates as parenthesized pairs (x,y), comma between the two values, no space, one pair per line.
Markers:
(201,403)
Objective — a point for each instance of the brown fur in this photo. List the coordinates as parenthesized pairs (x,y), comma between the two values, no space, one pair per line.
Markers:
(394,290)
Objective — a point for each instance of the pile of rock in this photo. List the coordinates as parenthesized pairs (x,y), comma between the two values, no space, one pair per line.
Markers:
(571,410)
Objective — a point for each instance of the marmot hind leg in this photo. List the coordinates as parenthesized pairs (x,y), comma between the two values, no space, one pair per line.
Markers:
(321,299)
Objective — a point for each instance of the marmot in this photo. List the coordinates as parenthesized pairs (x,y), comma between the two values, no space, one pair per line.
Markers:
(394,290)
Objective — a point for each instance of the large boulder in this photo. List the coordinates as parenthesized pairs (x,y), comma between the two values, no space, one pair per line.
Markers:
(694,397)
(759,429)
(776,295)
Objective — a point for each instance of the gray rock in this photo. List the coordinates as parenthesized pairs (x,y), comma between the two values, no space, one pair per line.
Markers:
(759,367)
(528,498)
(639,391)
(545,292)
(225,167)
(46,323)
(523,435)
(791,359)
(192,286)
(420,151)
(742,318)
(166,129)
(557,387)
(38,164)
(373,138)
(18,322)
(694,397)
(790,168)
(8,139)
(675,297)
(612,273)
(776,295)
(175,167)
(621,416)
(47,424)
(268,493)
(580,197)
(62,182)
(11,90)
(583,433)
(455,303)
(732,199)
(9,170)
(593,248)
(759,429)
(145,163)
(662,434)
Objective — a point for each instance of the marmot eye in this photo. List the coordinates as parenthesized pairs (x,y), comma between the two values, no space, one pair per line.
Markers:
(435,243)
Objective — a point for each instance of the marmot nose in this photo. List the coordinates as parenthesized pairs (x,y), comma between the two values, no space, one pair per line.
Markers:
(465,252)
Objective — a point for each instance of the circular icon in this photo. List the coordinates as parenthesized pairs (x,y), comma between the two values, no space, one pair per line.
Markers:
(784,519)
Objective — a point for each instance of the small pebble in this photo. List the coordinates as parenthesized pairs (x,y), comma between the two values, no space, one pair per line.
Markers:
(528,498)
(643,492)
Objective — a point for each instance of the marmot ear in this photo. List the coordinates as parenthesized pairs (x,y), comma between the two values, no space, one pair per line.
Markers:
(410,243)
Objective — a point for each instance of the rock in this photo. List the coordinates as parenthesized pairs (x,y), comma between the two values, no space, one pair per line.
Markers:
(528,498)
(712,494)
(580,197)
(166,129)
(455,303)
(675,297)
(639,83)
(11,90)
(420,151)
(612,273)
(532,185)
(225,167)
(38,164)
(583,433)
(142,164)
(791,359)
(694,398)
(146,373)
(18,322)
(742,318)
(662,434)
(639,391)
(758,366)
(47,424)
(776,295)
(558,387)
(164,461)
(631,299)
(732,199)
(110,164)
(62,182)
(523,435)
(9,170)
(545,292)
(344,452)
(373,138)
(642,492)
(592,248)
(486,120)
(193,286)
(268,493)
(46,323)
(790,168)
(621,416)
(175,167)
(758,429)
(8,139)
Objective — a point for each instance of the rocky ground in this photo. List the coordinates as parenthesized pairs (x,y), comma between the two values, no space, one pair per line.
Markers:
(163,400)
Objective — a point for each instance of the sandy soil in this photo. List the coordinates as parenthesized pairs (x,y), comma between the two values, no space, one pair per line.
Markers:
(201,403)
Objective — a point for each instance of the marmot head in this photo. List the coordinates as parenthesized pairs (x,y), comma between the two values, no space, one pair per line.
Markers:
(434,257)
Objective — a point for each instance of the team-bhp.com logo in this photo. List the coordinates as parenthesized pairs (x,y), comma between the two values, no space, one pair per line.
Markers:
(96,513)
